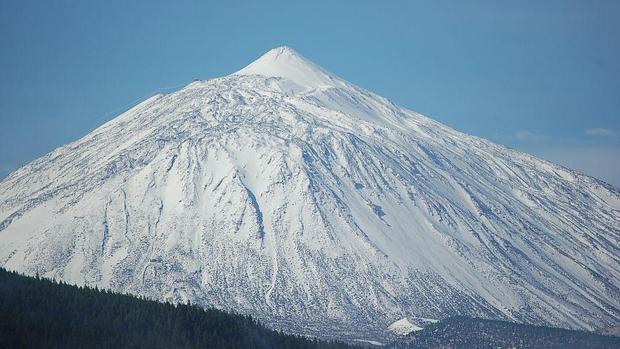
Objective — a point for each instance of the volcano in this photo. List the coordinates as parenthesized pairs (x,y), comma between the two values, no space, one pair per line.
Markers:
(285,192)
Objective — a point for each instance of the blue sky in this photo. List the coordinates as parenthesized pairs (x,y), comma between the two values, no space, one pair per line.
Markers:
(539,76)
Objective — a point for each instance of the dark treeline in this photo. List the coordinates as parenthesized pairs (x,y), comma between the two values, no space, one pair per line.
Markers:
(39,313)
(473,333)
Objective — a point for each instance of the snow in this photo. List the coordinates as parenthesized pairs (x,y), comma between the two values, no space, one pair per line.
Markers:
(368,341)
(403,327)
(284,62)
(284,192)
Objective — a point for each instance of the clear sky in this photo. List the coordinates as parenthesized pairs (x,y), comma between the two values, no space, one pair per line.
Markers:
(540,76)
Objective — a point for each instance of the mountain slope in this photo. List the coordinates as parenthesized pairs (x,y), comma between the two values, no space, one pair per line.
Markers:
(284,192)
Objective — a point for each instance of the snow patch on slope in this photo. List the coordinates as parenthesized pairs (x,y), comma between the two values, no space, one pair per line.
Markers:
(403,327)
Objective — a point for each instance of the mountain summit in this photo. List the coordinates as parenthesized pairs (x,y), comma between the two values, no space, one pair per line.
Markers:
(284,62)
(287,193)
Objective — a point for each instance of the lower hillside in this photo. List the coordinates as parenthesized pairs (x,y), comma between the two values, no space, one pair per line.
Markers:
(38,313)
(465,332)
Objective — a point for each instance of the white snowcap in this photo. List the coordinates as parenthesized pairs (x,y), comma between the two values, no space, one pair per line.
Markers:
(284,62)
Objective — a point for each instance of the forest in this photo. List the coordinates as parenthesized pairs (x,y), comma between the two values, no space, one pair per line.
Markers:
(41,313)
(475,333)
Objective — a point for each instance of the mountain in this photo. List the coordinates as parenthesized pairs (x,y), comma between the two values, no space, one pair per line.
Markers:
(287,193)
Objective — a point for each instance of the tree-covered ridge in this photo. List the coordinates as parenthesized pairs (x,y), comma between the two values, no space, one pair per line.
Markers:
(39,313)
(474,333)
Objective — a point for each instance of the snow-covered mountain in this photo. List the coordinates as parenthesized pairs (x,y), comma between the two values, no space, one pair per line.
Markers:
(288,193)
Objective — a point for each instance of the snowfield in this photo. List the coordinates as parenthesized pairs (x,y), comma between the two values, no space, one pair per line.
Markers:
(403,327)
(285,192)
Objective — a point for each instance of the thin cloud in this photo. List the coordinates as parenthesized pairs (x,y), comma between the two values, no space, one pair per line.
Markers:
(601,132)
(598,161)
(526,136)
